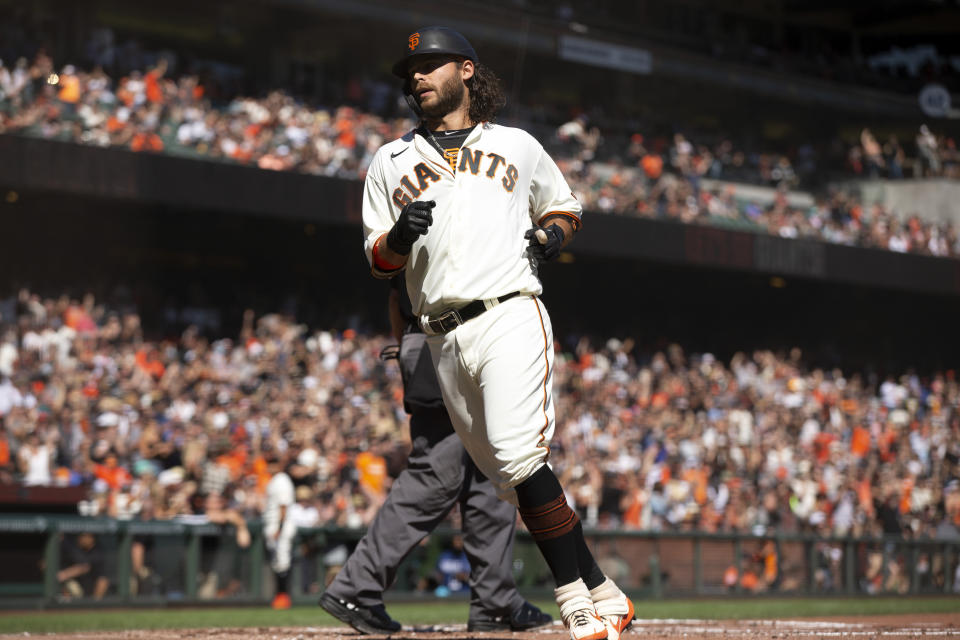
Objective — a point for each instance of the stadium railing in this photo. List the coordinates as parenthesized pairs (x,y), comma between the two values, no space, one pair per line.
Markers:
(182,563)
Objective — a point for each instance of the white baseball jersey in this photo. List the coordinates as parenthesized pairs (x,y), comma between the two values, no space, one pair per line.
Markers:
(500,184)
(280,492)
(496,370)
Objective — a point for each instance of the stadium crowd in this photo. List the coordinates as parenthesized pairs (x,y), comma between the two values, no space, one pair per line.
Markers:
(642,184)
(665,441)
(658,177)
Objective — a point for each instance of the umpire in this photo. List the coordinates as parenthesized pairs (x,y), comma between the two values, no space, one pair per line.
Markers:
(439,475)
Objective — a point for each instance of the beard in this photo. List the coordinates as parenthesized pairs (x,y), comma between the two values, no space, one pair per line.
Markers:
(449,96)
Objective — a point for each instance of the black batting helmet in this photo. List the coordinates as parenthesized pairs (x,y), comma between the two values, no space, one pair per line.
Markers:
(433,40)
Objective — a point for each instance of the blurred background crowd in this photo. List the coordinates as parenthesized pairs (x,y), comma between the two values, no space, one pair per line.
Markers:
(161,399)
(630,173)
(668,440)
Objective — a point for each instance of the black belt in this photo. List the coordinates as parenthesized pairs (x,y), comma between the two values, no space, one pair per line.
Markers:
(450,320)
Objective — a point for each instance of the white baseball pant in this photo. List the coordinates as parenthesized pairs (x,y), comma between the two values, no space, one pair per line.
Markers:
(280,548)
(496,377)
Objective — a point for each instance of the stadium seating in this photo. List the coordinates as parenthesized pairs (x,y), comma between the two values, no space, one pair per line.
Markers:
(668,440)
(675,179)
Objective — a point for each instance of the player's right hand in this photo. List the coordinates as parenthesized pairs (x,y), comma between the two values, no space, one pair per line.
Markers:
(413,222)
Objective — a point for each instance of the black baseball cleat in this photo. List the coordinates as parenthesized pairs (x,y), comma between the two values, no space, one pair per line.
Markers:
(523,619)
(372,620)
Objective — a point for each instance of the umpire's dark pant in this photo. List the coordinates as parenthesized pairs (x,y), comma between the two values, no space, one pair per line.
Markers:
(439,475)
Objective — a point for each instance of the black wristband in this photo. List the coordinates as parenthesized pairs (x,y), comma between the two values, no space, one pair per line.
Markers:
(395,244)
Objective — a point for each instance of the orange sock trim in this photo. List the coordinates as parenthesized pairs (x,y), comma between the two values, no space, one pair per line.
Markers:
(551,520)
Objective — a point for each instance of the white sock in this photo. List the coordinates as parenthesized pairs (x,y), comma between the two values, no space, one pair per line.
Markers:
(573,596)
(608,599)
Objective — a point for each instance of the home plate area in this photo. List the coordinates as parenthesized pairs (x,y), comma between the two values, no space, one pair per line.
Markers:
(874,627)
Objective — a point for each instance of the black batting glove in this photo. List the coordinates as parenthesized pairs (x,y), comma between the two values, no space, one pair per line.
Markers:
(412,223)
(548,245)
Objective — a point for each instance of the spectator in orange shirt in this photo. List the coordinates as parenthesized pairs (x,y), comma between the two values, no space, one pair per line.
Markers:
(114,124)
(69,92)
(697,477)
(652,166)
(152,81)
(150,363)
(860,442)
(821,446)
(887,444)
(146,141)
(77,318)
(373,472)
(750,581)
(6,464)
(905,495)
(767,556)
(235,461)
(260,472)
(112,473)
(632,503)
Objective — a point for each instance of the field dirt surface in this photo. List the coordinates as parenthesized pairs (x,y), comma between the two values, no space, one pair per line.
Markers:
(871,628)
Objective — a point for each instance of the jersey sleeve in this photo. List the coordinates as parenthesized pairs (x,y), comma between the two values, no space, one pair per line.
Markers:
(550,194)
(377,213)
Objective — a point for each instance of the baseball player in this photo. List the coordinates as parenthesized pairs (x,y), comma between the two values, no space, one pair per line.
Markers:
(278,528)
(438,476)
(467,210)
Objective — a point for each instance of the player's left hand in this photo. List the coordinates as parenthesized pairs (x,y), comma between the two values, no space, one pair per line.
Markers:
(545,243)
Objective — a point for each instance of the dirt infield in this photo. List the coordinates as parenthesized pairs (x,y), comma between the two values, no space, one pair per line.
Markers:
(873,628)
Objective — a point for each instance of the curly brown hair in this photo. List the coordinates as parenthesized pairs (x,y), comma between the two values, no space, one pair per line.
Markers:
(486,94)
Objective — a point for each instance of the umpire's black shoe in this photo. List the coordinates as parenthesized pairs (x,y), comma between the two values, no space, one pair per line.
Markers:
(523,619)
(372,620)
